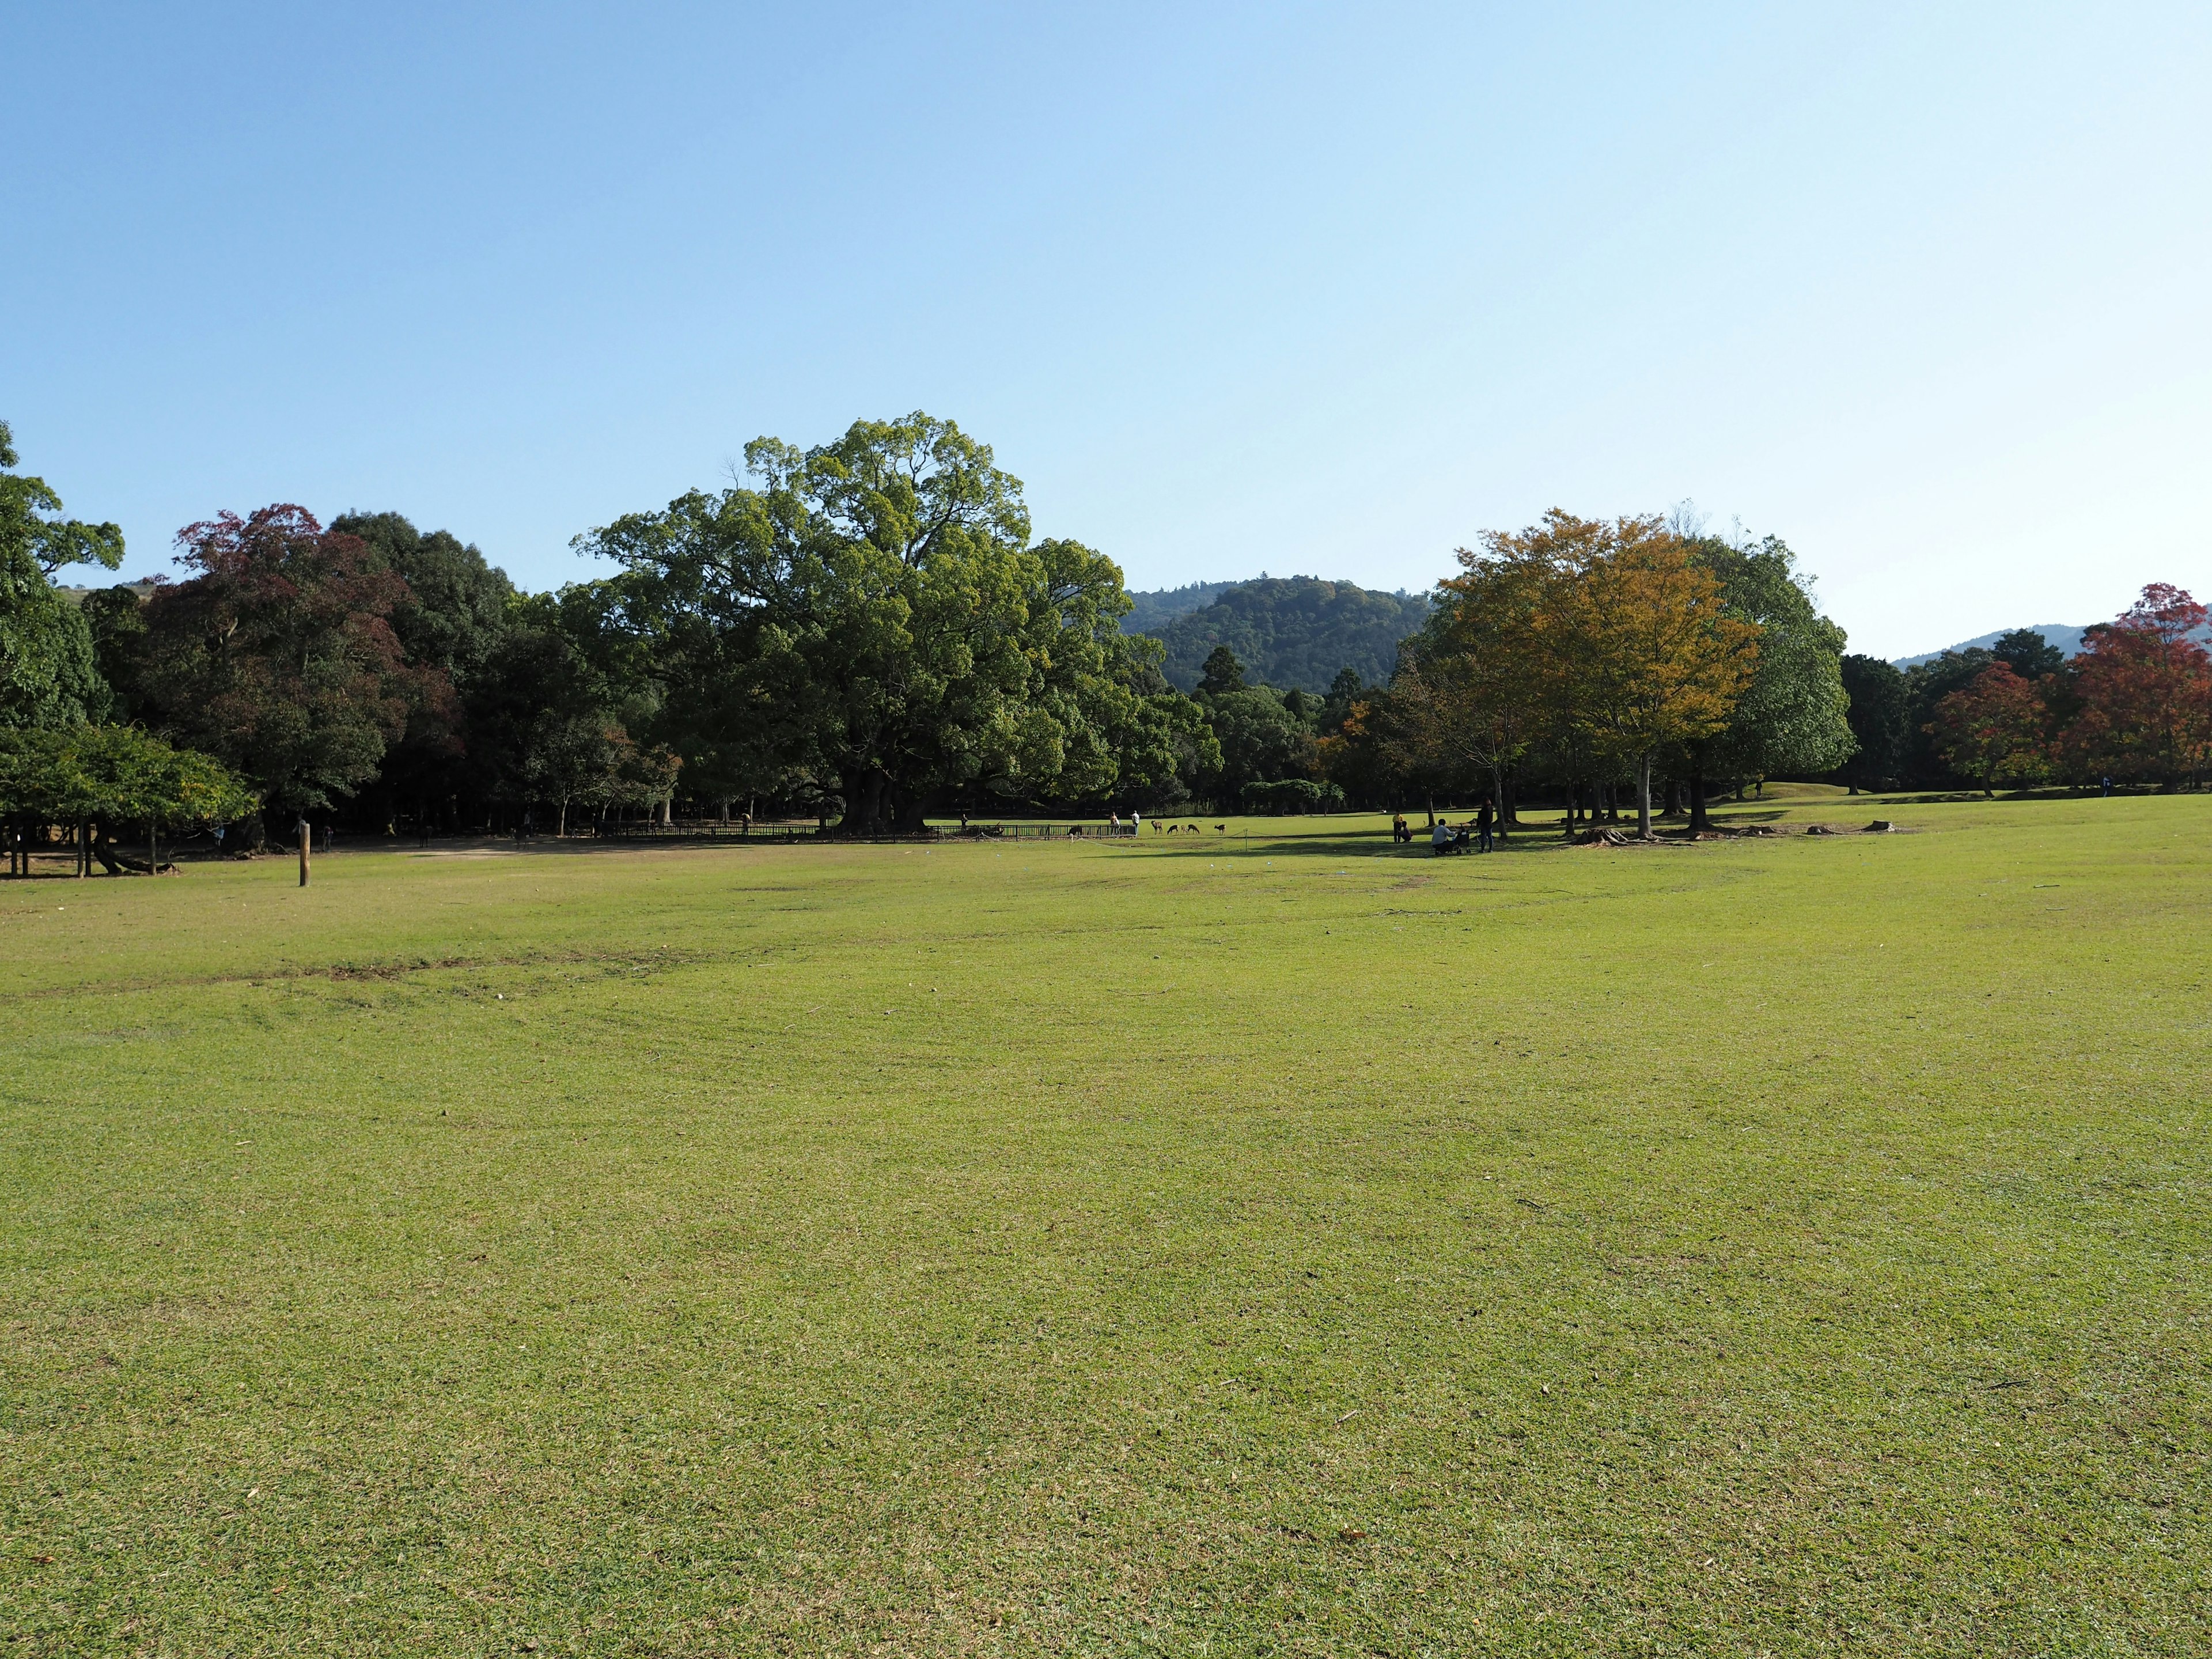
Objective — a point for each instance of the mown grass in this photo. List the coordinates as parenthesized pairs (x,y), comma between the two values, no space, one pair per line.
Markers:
(1793,1246)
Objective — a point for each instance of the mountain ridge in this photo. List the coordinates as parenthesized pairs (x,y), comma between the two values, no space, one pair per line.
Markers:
(2065,635)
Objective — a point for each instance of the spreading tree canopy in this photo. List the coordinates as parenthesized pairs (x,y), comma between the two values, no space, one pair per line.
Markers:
(875,614)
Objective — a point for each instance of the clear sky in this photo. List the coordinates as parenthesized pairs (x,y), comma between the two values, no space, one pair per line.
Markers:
(1326,289)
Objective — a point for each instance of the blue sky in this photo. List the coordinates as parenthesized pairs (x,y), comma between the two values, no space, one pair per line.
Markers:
(1325,289)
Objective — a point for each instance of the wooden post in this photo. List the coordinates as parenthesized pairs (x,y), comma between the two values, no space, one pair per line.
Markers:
(153,847)
(306,831)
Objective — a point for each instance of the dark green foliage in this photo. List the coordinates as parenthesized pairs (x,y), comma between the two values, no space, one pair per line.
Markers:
(1880,714)
(116,617)
(1222,672)
(49,675)
(452,619)
(1344,692)
(456,604)
(2028,654)
(874,622)
(1261,740)
(1926,685)
(1792,719)
(1291,795)
(1294,631)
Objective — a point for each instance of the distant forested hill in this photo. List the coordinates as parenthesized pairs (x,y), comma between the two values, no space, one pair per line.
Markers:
(1150,612)
(1291,631)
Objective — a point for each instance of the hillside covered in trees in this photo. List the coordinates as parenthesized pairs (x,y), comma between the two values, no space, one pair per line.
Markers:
(1292,632)
(1151,612)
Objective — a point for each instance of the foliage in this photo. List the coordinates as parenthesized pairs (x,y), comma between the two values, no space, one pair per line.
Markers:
(1880,711)
(1150,612)
(1993,731)
(874,616)
(1927,683)
(48,673)
(1293,631)
(280,658)
(1475,689)
(111,773)
(1792,716)
(2028,654)
(1291,795)
(2145,687)
(1259,739)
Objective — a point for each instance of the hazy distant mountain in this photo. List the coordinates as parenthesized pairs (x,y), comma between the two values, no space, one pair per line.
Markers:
(1289,630)
(2066,637)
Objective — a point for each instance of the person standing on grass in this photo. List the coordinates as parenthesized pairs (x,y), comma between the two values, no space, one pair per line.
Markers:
(1136,824)
(1482,823)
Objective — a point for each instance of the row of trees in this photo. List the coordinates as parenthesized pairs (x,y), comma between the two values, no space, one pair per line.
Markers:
(867,629)
(63,760)
(2134,706)
(1587,654)
(2131,706)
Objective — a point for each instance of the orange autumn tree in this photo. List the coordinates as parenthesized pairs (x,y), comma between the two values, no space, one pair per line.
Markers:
(1644,654)
(1495,650)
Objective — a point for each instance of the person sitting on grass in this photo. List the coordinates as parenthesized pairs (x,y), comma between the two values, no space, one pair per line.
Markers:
(1440,836)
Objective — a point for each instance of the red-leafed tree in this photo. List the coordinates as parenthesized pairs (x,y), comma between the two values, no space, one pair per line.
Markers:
(1995,731)
(279,656)
(2145,687)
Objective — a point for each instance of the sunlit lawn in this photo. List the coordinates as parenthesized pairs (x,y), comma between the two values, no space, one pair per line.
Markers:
(1271,1245)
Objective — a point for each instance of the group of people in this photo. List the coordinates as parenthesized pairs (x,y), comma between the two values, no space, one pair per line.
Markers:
(1444,836)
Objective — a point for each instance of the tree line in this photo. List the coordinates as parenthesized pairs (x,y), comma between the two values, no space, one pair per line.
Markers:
(2133,706)
(868,631)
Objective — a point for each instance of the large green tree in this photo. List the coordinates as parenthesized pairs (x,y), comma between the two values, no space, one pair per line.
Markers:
(874,615)
(48,672)
(452,619)
(1793,717)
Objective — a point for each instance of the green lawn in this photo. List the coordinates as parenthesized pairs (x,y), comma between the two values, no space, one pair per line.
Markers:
(1270,1246)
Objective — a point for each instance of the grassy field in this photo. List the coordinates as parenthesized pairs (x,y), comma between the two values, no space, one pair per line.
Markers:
(1286,1246)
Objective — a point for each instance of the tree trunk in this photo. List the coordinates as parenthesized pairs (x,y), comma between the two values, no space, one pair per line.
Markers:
(100,849)
(1498,795)
(1643,796)
(865,805)
(306,849)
